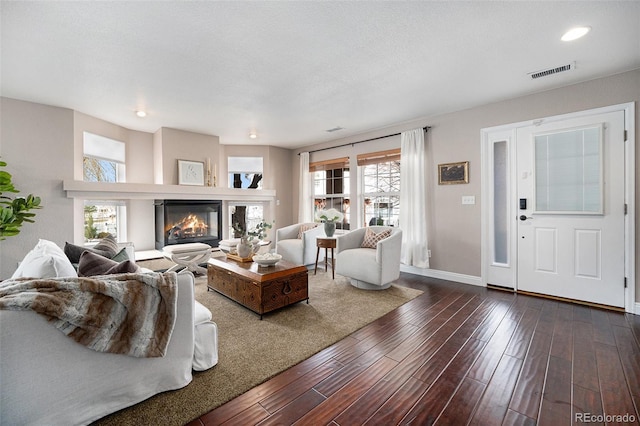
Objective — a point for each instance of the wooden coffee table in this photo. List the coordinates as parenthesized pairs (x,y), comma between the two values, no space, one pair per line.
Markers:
(261,289)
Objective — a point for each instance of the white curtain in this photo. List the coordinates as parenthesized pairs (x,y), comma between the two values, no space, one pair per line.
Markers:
(304,208)
(413,199)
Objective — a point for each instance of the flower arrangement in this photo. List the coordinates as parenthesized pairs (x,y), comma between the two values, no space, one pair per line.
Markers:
(331,215)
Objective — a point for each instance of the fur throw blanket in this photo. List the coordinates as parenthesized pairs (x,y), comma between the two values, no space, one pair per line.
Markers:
(131,314)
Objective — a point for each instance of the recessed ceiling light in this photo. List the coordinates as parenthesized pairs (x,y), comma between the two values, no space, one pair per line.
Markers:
(575,33)
(141,113)
(253,135)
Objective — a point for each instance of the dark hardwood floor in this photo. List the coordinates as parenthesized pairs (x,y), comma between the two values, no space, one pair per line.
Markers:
(460,354)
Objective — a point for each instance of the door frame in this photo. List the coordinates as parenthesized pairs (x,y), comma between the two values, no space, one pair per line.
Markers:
(507,133)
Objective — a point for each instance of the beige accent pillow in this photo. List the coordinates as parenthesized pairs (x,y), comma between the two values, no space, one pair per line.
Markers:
(371,238)
(304,228)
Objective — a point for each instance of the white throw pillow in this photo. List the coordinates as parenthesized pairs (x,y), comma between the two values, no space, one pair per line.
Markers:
(45,260)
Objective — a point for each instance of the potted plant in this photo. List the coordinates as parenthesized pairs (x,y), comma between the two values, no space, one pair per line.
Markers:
(329,218)
(260,231)
(14,212)
(249,239)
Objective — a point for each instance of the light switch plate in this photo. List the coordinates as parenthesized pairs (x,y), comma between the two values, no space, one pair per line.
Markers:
(468,199)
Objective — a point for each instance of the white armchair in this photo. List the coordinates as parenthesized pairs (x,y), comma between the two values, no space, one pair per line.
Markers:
(367,268)
(301,251)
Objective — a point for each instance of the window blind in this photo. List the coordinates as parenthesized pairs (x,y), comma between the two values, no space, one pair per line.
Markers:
(379,157)
(245,164)
(104,148)
(337,163)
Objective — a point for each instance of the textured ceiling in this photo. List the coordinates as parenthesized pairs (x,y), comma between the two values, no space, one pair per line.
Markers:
(292,70)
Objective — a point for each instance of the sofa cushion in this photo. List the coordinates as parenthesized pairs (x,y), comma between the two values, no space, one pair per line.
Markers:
(107,247)
(201,313)
(371,238)
(291,250)
(91,264)
(359,263)
(45,260)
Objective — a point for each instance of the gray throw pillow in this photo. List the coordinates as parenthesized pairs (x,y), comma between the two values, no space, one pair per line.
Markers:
(121,256)
(107,247)
(91,264)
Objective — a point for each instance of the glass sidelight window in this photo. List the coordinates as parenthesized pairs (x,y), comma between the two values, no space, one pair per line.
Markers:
(500,203)
(568,172)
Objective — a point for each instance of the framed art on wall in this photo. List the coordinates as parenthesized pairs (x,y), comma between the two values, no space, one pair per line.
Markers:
(453,173)
(190,172)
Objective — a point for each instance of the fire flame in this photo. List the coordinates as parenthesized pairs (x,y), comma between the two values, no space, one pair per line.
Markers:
(189,226)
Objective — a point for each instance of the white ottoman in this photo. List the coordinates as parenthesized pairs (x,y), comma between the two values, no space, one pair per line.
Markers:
(188,256)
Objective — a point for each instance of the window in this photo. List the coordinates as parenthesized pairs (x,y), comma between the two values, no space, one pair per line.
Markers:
(103,161)
(331,187)
(245,172)
(245,216)
(380,182)
(104,217)
(568,172)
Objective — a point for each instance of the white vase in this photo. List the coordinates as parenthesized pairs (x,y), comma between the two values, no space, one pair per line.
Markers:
(244,248)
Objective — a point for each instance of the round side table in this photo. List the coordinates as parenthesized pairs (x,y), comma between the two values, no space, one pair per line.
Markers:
(326,243)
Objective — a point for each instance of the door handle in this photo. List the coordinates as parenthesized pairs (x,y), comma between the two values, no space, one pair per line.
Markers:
(523,217)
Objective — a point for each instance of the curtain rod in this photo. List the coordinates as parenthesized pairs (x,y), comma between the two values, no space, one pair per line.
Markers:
(426,128)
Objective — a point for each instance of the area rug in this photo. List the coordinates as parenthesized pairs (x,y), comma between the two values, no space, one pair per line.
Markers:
(253,350)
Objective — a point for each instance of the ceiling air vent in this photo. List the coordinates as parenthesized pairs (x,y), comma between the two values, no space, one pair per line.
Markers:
(335,129)
(552,71)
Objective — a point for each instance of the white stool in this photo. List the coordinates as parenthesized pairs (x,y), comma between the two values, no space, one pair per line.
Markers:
(188,255)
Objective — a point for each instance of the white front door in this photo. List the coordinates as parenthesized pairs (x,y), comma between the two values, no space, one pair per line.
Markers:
(570,213)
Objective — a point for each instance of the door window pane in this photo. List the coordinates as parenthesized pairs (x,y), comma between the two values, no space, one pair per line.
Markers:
(568,171)
(500,200)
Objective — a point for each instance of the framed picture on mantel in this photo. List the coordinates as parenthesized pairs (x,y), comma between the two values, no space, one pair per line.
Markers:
(190,173)
(453,173)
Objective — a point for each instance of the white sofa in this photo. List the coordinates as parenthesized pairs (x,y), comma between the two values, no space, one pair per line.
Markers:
(301,251)
(367,268)
(48,379)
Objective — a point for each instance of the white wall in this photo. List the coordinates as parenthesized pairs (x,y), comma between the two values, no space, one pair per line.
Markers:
(37,144)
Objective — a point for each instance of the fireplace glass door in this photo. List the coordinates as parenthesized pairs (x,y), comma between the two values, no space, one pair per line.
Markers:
(188,221)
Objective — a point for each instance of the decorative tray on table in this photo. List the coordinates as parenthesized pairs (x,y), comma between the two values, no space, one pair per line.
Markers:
(238,258)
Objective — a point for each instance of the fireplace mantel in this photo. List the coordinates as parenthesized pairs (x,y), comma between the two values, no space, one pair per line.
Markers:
(149,191)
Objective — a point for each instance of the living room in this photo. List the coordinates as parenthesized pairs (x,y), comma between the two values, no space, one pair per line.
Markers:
(454,242)
(41,139)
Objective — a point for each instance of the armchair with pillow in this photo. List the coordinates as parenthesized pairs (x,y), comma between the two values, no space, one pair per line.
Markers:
(297,243)
(370,256)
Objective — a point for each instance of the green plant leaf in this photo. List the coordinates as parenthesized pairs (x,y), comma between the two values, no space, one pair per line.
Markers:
(14,212)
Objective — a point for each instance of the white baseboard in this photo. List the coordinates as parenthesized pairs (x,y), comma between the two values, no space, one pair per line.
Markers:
(462,278)
(443,275)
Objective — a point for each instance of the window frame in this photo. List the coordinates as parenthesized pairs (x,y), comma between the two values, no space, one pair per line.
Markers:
(250,165)
(367,160)
(341,201)
(114,154)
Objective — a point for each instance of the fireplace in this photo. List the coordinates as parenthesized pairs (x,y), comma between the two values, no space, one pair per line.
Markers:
(188,221)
